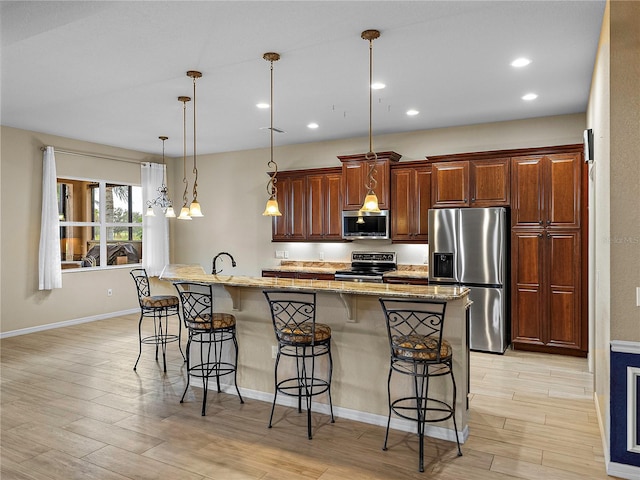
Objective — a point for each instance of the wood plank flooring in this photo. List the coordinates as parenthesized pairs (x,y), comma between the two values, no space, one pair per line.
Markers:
(73,408)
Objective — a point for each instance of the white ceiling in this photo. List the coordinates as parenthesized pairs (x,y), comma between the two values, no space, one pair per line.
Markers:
(111,72)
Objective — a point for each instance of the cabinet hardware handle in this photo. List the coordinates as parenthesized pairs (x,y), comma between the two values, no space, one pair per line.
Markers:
(548,222)
(540,222)
(465,200)
(539,235)
(473,199)
(548,235)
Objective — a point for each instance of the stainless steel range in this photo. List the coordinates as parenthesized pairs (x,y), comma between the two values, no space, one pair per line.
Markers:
(368,267)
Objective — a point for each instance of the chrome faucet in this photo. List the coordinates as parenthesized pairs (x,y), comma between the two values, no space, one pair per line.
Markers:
(215,259)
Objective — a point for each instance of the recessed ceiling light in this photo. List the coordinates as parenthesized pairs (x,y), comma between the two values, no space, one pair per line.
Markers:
(530,96)
(520,62)
(262,105)
(377,86)
(313,125)
(412,112)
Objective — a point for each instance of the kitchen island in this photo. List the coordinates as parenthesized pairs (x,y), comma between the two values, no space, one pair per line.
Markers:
(360,345)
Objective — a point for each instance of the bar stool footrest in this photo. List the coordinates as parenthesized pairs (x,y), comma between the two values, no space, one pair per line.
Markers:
(408,404)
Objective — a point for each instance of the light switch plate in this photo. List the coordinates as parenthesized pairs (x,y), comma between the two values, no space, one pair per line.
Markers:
(637,296)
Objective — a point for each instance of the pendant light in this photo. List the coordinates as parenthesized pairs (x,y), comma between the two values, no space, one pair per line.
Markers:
(271,208)
(194,208)
(370,204)
(184,211)
(162,200)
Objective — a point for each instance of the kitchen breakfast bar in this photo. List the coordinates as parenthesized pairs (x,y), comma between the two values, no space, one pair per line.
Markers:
(360,345)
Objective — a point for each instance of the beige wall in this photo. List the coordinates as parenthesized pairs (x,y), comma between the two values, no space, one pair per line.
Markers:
(232,193)
(614,116)
(598,119)
(625,169)
(84,293)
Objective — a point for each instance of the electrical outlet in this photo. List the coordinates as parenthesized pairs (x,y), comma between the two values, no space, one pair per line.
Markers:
(286,254)
(274,351)
(321,255)
(279,254)
(109,292)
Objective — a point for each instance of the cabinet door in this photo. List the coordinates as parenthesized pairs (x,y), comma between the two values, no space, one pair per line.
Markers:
(291,200)
(355,178)
(296,207)
(450,184)
(352,185)
(527,208)
(280,225)
(316,207)
(527,306)
(563,260)
(333,207)
(490,182)
(402,180)
(422,204)
(324,212)
(563,192)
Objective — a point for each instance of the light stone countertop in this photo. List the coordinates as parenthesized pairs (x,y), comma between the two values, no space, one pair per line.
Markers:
(195,273)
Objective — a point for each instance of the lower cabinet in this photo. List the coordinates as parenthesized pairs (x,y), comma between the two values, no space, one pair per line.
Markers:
(546,291)
(298,275)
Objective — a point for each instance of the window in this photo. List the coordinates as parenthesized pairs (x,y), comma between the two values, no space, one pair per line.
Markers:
(100,223)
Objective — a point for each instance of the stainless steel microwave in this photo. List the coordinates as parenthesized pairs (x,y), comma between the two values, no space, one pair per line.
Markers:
(371,226)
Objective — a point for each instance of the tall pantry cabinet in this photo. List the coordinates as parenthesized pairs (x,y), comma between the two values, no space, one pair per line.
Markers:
(547,251)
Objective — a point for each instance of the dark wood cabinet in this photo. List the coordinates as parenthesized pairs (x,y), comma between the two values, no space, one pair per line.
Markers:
(291,226)
(410,202)
(547,191)
(548,254)
(355,177)
(450,187)
(546,306)
(489,182)
(298,275)
(471,183)
(324,208)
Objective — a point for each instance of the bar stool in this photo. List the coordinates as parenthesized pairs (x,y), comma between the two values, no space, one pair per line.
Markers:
(417,349)
(160,308)
(300,337)
(211,330)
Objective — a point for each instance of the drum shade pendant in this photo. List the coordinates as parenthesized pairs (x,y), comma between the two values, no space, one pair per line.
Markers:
(370,204)
(271,208)
(194,208)
(162,200)
(184,211)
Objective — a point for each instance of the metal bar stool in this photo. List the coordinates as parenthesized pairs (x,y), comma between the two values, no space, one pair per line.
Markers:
(160,308)
(211,330)
(417,349)
(300,337)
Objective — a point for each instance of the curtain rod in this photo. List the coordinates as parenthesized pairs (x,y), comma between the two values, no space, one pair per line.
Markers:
(94,155)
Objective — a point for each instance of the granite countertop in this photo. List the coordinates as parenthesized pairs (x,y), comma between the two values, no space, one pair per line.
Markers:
(195,273)
(403,271)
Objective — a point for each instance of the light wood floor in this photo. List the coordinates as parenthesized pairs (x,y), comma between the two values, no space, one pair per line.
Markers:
(72,408)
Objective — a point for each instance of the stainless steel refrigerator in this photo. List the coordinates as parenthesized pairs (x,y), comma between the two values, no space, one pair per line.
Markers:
(470,247)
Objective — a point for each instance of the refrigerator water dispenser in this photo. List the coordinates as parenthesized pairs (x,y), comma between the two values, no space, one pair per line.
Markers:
(442,265)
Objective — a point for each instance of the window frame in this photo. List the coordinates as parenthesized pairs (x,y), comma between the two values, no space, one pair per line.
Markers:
(101,223)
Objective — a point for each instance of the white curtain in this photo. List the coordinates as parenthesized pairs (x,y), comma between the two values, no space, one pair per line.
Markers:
(49,267)
(155,236)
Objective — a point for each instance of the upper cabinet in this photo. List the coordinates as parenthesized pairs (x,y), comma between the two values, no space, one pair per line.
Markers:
(546,190)
(450,184)
(311,205)
(471,183)
(355,178)
(324,208)
(410,200)
(291,226)
(489,182)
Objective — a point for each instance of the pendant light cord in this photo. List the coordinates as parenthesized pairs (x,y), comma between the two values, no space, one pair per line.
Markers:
(371,156)
(184,101)
(195,168)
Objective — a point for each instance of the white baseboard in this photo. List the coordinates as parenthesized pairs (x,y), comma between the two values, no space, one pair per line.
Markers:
(623,470)
(441,433)
(67,323)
